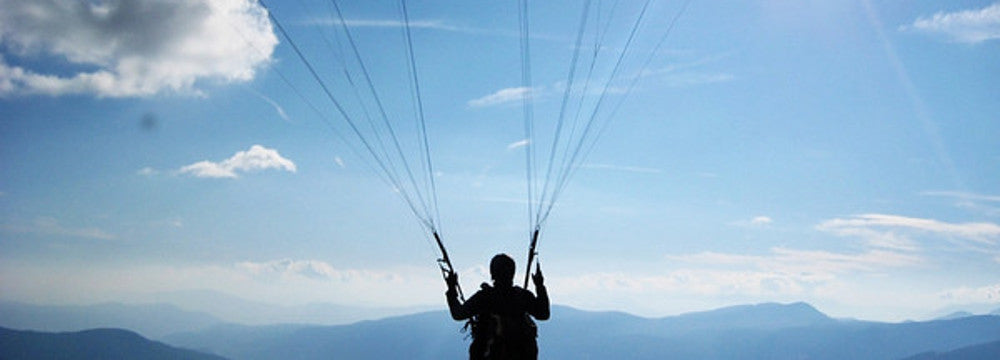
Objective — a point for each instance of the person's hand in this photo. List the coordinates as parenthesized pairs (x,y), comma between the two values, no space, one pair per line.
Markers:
(537,277)
(452,280)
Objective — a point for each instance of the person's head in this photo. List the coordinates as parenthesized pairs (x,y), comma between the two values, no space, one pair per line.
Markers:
(502,269)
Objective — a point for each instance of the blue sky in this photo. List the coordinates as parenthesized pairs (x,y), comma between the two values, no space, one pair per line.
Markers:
(843,153)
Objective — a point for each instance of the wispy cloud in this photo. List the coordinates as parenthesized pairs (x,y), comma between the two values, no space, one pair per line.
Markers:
(634,169)
(147,171)
(277,108)
(781,272)
(685,79)
(962,195)
(311,269)
(813,262)
(161,46)
(518,144)
(257,158)
(879,226)
(756,221)
(392,23)
(966,26)
(683,74)
(968,295)
(988,205)
(51,227)
(502,96)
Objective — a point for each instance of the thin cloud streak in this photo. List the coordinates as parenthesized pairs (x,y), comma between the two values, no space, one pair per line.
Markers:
(982,232)
(48,226)
(634,169)
(277,108)
(963,195)
(382,23)
(502,97)
(518,144)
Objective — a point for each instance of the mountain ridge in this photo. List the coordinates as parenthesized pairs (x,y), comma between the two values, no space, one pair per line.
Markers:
(88,345)
(769,331)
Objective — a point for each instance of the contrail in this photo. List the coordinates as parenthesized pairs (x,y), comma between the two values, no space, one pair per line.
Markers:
(930,128)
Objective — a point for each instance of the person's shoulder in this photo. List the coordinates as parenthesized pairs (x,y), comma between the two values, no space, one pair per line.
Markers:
(520,291)
(484,290)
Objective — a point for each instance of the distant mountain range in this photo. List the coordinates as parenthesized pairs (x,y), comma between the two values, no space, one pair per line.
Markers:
(987,351)
(89,345)
(763,331)
(766,331)
(152,320)
(233,309)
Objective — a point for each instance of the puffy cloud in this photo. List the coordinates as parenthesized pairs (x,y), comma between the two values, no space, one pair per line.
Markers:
(502,96)
(126,48)
(257,158)
(967,26)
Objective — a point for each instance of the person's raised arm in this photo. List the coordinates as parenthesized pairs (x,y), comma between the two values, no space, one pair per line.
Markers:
(540,307)
(458,310)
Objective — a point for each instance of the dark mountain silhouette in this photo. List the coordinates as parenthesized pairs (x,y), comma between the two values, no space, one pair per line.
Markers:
(987,351)
(766,331)
(153,321)
(94,344)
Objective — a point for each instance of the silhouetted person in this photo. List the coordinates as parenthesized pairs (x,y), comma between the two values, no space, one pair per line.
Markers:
(501,326)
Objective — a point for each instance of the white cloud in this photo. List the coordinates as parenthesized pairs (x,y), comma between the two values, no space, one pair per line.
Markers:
(287,269)
(339,161)
(132,48)
(967,26)
(962,195)
(383,23)
(257,158)
(967,295)
(980,203)
(284,282)
(759,221)
(699,282)
(277,108)
(813,263)
(879,226)
(518,144)
(51,227)
(502,96)
(691,78)
(635,169)
(147,171)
